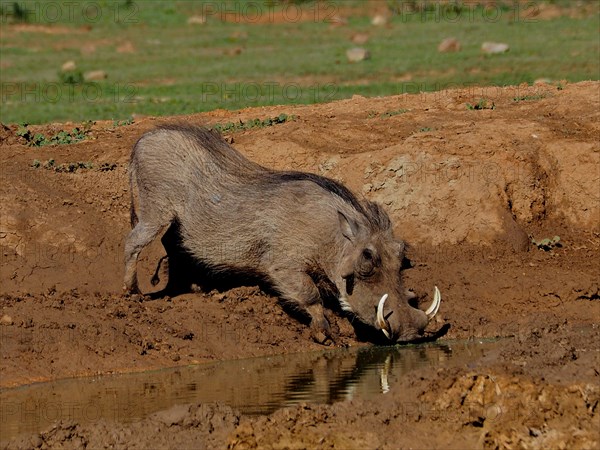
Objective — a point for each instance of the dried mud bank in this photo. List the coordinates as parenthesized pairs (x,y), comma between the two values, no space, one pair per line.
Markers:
(468,189)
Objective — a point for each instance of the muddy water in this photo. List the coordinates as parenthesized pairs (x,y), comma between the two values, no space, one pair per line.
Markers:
(254,386)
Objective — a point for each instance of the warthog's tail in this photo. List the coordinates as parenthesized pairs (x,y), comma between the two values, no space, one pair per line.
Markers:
(132,214)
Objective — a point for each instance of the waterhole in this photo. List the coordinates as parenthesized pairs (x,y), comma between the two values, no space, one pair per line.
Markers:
(253,386)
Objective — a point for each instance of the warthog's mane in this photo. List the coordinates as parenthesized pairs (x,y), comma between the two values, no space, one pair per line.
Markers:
(377,218)
(212,141)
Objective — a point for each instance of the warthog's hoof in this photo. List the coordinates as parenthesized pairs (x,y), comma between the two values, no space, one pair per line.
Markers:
(321,333)
(322,338)
(133,293)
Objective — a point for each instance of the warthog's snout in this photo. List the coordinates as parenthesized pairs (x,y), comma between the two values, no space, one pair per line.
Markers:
(396,331)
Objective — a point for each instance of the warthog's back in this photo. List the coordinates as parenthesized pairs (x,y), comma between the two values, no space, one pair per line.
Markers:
(179,154)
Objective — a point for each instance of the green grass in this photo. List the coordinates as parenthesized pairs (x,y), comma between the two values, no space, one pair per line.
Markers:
(179,68)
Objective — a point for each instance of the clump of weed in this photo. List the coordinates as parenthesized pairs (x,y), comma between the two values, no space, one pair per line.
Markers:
(65,167)
(121,123)
(34,140)
(70,76)
(386,114)
(106,167)
(547,244)
(523,98)
(17,13)
(253,123)
(72,167)
(480,105)
(60,138)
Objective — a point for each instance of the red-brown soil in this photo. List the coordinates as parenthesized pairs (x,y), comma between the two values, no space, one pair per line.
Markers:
(467,188)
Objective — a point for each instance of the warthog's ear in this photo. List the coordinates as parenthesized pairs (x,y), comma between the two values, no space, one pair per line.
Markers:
(348,227)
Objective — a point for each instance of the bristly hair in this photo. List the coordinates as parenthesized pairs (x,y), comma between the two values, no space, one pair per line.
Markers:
(326,183)
(207,138)
(376,217)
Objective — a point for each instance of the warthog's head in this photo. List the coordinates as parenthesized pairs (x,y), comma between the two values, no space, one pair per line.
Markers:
(370,283)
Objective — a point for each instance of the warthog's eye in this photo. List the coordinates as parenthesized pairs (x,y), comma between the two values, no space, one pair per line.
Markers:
(367,263)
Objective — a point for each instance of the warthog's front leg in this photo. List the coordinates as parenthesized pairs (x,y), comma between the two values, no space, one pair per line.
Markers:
(297,287)
(319,326)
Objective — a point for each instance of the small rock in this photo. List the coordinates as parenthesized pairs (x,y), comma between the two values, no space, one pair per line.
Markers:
(360,38)
(68,66)
(6,320)
(172,416)
(379,20)
(338,21)
(220,296)
(238,36)
(196,20)
(95,75)
(126,47)
(233,51)
(543,81)
(449,45)
(493,48)
(36,441)
(357,54)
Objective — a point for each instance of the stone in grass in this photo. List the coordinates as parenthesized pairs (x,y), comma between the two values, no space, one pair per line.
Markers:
(69,66)
(357,54)
(494,48)
(360,38)
(379,20)
(449,45)
(95,75)
(196,20)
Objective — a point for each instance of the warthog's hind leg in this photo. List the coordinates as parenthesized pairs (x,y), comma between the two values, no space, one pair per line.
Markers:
(138,238)
(162,268)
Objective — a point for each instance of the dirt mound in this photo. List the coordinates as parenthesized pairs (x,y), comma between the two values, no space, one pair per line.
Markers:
(469,177)
(183,426)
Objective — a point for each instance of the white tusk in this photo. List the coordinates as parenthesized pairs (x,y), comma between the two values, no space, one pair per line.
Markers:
(435,305)
(380,318)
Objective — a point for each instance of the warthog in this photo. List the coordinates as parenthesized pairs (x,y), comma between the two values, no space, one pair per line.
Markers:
(308,236)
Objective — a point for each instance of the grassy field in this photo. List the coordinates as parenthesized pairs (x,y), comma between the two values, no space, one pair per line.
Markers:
(251,53)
